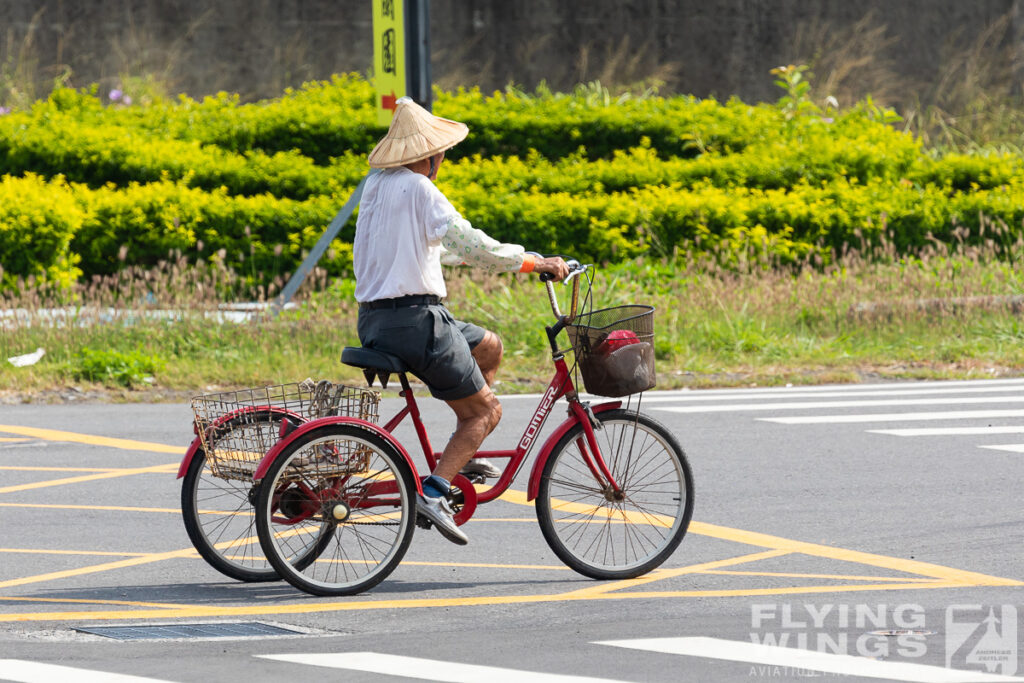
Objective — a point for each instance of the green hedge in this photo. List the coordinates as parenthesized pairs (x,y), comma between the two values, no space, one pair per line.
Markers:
(38,220)
(262,237)
(100,154)
(255,184)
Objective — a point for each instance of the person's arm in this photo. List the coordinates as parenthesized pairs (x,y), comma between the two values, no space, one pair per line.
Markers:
(467,245)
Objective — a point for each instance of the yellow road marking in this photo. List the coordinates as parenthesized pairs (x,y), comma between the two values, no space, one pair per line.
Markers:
(835,577)
(34,551)
(177,511)
(312,607)
(163,469)
(105,508)
(814,549)
(126,603)
(108,442)
(106,566)
(8,439)
(661,574)
(60,469)
(489,565)
(939,576)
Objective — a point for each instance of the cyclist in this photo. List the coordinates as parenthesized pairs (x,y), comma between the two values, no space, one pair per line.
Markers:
(405,230)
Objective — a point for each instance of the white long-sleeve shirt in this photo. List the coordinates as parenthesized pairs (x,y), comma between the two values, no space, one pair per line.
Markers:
(406,228)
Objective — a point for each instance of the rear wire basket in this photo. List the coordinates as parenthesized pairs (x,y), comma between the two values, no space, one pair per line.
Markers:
(237,428)
(615,349)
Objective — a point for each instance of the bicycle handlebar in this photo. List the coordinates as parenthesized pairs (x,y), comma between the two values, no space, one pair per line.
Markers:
(575,270)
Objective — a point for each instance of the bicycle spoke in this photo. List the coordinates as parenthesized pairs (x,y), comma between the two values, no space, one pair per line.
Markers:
(621,533)
(360,532)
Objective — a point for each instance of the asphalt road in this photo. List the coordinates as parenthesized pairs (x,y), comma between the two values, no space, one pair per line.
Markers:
(871,531)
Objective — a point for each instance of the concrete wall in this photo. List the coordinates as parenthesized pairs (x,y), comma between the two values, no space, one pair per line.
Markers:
(703,47)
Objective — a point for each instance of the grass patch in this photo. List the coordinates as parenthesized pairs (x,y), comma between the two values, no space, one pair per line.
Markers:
(950,312)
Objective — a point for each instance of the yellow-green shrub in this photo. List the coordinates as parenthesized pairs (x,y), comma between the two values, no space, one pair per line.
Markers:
(38,219)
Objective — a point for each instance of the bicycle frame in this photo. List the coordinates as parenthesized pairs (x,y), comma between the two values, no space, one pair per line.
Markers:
(561,385)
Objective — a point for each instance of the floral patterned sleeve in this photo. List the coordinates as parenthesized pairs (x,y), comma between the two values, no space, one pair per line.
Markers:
(467,245)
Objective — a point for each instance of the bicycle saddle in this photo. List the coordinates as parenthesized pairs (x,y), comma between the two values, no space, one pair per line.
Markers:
(373,363)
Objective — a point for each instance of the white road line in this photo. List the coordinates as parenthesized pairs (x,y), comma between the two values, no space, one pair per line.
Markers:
(22,671)
(1012,447)
(893,417)
(818,405)
(952,385)
(428,669)
(915,390)
(797,661)
(950,431)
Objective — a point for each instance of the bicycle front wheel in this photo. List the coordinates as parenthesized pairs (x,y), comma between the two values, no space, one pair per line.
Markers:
(345,491)
(605,535)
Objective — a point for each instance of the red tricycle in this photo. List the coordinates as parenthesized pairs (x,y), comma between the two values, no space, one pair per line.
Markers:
(331,494)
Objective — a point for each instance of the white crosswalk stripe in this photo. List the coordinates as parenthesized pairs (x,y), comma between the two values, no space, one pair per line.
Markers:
(816,405)
(777,660)
(854,391)
(871,404)
(22,671)
(427,669)
(951,431)
(1012,448)
(801,662)
(894,417)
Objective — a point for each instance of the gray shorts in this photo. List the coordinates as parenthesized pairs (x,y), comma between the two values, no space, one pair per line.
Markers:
(436,347)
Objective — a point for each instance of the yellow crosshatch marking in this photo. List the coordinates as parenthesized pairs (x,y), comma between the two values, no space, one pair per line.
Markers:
(918,575)
(106,441)
(172,467)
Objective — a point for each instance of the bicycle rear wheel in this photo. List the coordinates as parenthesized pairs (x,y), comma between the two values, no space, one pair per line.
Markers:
(217,510)
(351,490)
(607,536)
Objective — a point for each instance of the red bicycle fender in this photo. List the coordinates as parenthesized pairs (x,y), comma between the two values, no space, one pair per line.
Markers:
(189,454)
(538,465)
(261,469)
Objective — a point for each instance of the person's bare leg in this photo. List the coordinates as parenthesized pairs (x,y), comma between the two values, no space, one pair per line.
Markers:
(488,355)
(477,417)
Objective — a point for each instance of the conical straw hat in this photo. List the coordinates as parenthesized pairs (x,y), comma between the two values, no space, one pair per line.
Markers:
(415,134)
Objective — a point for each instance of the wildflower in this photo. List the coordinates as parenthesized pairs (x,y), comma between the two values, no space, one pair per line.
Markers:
(127,99)
(4,111)
(115,95)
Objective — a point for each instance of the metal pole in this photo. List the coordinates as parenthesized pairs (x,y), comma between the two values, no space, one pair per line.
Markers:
(417,39)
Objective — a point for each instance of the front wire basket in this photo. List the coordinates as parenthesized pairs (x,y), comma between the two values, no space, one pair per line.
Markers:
(237,428)
(615,349)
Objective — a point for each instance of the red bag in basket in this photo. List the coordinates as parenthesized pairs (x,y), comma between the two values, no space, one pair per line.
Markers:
(616,340)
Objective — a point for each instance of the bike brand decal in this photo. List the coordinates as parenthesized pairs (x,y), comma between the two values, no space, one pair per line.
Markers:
(537,421)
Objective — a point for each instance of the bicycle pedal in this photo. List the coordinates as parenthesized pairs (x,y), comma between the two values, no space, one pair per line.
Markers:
(423,523)
(475,478)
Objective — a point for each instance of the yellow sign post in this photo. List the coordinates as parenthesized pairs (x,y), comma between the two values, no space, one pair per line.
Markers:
(388,56)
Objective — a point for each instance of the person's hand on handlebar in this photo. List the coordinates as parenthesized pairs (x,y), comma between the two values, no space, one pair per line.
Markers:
(554,265)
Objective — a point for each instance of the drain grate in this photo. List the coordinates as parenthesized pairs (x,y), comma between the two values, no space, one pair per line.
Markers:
(248,629)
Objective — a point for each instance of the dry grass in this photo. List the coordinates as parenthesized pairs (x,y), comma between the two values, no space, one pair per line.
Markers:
(975,101)
(948,311)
